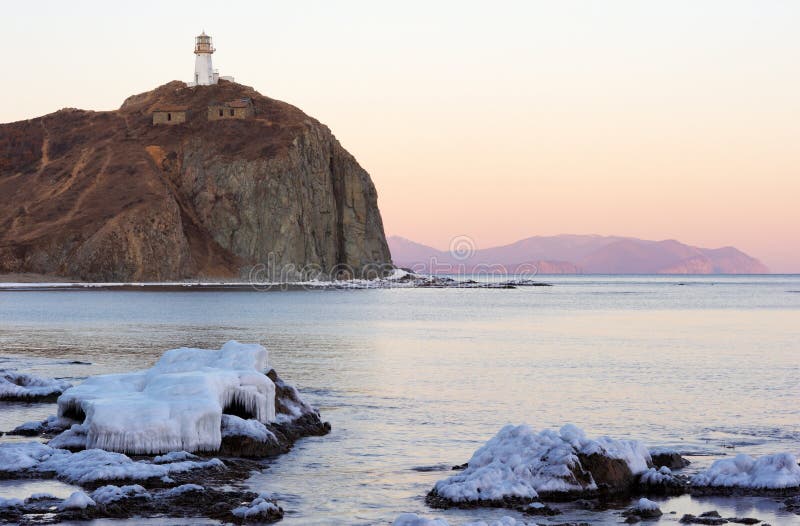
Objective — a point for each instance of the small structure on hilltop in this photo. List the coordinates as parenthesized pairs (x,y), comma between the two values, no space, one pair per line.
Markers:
(204,72)
(169,115)
(235,109)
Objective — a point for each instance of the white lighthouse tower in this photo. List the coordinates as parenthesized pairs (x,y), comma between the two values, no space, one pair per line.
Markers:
(204,74)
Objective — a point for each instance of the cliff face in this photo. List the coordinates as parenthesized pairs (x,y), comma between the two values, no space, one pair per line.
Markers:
(106,196)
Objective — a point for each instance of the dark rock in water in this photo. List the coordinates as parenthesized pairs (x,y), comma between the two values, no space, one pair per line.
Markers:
(743,520)
(460,467)
(670,459)
(610,474)
(710,518)
(540,509)
(792,504)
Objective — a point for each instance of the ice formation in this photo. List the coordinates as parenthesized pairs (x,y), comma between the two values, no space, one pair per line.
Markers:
(177,404)
(21,386)
(656,477)
(259,508)
(235,426)
(766,472)
(91,465)
(645,505)
(519,462)
(77,501)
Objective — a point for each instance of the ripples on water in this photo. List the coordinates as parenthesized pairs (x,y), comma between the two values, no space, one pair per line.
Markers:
(413,381)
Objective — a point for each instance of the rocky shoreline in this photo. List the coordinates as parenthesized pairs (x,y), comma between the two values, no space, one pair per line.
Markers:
(203,484)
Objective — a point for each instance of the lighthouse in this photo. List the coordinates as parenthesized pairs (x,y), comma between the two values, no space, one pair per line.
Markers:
(204,73)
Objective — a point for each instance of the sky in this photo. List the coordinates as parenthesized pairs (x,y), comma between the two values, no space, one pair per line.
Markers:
(497,120)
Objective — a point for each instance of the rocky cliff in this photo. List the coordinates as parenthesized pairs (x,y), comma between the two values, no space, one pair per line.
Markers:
(108,196)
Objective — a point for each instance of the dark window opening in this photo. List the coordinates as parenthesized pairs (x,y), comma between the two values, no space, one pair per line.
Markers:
(231,112)
(169,116)
(220,113)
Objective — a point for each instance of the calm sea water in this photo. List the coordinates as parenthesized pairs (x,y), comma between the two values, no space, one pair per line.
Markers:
(414,380)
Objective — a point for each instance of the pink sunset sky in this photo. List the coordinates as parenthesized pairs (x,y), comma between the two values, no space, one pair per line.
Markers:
(496,120)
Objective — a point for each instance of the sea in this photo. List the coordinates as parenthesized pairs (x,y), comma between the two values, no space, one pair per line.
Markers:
(413,380)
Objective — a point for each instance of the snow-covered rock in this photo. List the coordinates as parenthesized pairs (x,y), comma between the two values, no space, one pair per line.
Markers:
(77,501)
(661,478)
(74,438)
(259,509)
(91,465)
(183,489)
(520,463)
(177,404)
(107,494)
(776,471)
(644,508)
(15,386)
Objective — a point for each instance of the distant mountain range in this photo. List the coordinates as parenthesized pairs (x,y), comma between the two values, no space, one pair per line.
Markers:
(577,254)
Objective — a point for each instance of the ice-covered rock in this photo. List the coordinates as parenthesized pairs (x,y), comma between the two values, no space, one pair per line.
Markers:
(177,404)
(520,464)
(778,471)
(77,501)
(107,494)
(48,427)
(260,509)
(644,508)
(663,480)
(74,438)
(91,465)
(22,387)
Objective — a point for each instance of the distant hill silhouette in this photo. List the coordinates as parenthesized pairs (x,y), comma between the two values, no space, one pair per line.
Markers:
(580,254)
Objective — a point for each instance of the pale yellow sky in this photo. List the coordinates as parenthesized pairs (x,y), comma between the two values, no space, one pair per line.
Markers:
(501,120)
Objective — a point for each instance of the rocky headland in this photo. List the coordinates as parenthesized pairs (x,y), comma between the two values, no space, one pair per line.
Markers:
(111,196)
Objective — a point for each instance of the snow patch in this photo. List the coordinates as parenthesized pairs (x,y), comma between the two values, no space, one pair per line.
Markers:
(743,471)
(77,501)
(177,404)
(180,490)
(519,462)
(174,456)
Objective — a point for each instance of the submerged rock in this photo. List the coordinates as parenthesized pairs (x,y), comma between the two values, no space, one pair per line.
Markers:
(668,458)
(643,509)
